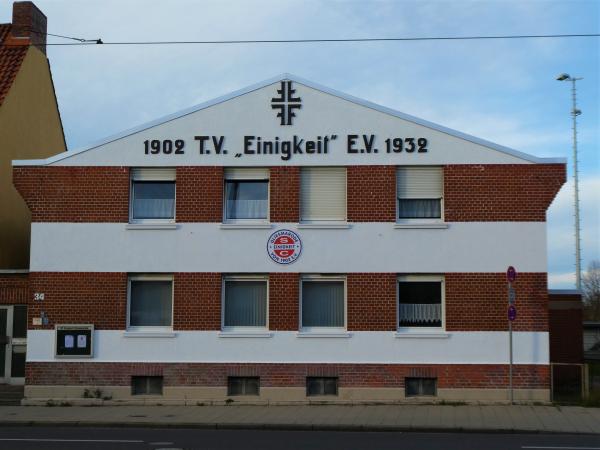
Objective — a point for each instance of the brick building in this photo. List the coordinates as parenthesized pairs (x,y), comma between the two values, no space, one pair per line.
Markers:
(287,243)
(566,322)
(30,127)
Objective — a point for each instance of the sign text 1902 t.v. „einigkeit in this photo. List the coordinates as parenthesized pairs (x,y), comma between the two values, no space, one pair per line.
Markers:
(207,145)
(287,103)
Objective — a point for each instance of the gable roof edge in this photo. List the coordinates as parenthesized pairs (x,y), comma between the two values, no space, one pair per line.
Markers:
(287,76)
(428,124)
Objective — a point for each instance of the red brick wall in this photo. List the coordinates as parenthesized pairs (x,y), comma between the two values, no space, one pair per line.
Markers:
(500,192)
(74,194)
(199,194)
(566,328)
(478,302)
(283,301)
(371,301)
(285,194)
(81,297)
(474,376)
(494,192)
(14,289)
(197,301)
(101,298)
(474,301)
(371,193)
(101,194)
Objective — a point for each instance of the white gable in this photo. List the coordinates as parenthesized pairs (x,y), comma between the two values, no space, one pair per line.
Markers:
(328,129)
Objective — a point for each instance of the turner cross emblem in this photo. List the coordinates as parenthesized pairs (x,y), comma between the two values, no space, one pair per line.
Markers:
(286,103)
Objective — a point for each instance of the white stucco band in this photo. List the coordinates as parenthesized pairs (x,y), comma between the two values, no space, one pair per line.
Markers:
(376,347)
(364,247)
